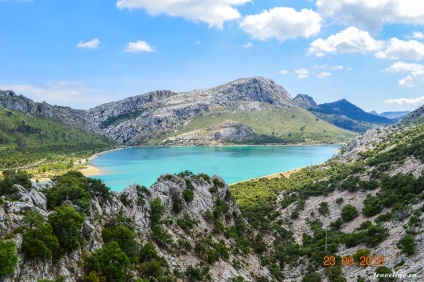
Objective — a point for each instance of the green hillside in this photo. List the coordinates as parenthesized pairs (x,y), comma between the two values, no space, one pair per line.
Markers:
(27,139)
(273,124)
(359,201)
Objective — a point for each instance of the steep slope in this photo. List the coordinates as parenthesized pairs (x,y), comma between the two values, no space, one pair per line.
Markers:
(26,138)
(66,115)
(415,115)
(368,200)
(184,228)
(232,113)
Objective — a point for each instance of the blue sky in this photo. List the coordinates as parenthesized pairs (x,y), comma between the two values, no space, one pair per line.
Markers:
(84,53)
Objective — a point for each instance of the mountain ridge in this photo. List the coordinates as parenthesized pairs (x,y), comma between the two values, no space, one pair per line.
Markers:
(213,115)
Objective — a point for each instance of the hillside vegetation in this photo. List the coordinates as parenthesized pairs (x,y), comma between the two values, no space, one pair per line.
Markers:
(269,124)
(27,139)
(369,198)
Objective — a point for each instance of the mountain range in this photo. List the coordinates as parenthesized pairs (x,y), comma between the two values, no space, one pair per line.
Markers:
(246,111)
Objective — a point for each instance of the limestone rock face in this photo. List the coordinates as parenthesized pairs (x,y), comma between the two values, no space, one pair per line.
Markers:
(134,203)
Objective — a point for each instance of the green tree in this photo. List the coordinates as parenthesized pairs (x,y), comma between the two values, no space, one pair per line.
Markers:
(125,237)
(348,213)
(66,223)
(156,211)
(8,257)
(109,261)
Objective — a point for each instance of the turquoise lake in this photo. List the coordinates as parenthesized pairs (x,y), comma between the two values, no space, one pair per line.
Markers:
(144,165)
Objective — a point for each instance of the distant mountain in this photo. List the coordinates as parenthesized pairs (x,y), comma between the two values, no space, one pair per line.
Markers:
(252,110)
(392,115)
(414,115)
(342,113)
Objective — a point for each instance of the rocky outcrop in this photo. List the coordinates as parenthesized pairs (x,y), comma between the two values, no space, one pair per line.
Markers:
(134,203)
(305,101)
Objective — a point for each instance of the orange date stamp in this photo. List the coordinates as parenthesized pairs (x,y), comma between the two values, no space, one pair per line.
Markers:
(349,261)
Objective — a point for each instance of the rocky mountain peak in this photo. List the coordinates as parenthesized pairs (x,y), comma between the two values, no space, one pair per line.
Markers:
(256,88)
(305,101)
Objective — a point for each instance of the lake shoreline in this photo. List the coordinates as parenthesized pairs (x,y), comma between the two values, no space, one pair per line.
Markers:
(91,170)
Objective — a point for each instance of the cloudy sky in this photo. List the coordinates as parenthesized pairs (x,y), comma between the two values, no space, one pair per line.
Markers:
(83,53)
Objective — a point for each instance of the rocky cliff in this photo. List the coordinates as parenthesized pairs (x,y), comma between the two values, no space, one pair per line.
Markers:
(191,231)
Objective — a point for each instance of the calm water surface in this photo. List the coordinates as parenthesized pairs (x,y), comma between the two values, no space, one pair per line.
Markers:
(143,166)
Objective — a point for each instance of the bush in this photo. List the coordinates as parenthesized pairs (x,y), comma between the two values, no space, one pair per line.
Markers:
(177,203)
(108,262)
(360,253)
(323,208)
(407,244)
(348,213)
(39,242)
(161,235)
(8,258)
(312,277)
(372,206)
(188,195)
(198,273)
(66,223)
(156,211)
(125,238)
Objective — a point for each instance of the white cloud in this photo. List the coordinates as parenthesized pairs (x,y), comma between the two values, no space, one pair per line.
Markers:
(302,73)
(406,101)
(282,23)
(371,15)
(350,40)
(138,46)
(247,45)
(92,44)
(324,74)
(415,73)
(399,49)
(60,93)
(418,35)
(212,12)
(283,72)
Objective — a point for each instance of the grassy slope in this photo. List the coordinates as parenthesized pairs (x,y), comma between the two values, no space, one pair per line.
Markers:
(290,125)
(26,139)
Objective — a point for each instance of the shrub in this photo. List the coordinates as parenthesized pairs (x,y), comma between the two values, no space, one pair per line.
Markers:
(359,253)
(188,195)
(38,242)
(66,223)
(407,244)
(177,203)
(348,213)
(311,277)
(8,258)
(161,235)
(109,261)
(125,238)
(323,208)
(156,211)
(198,273)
